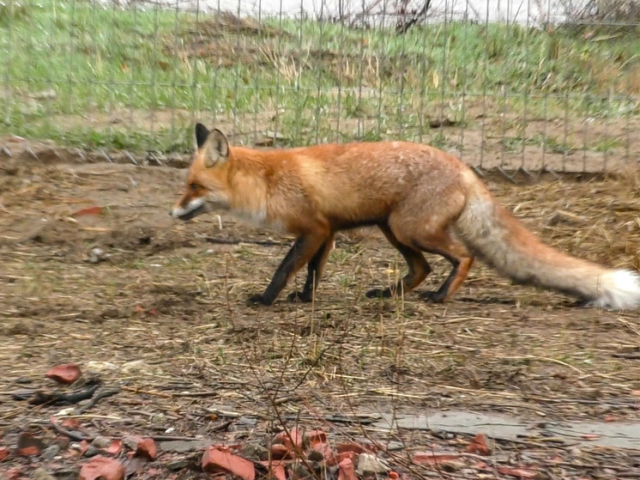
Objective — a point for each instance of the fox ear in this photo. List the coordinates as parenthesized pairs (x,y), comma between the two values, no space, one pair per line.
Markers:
(202,133)
(217,148)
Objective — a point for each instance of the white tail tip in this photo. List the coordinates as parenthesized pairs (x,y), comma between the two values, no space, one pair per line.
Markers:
(619,290)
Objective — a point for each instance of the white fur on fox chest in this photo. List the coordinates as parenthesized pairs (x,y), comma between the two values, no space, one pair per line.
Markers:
(257,218)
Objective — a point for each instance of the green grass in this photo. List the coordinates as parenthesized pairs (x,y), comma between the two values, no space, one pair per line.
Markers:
(91,77)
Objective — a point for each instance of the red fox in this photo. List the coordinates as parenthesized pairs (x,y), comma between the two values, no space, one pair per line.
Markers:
(422,199)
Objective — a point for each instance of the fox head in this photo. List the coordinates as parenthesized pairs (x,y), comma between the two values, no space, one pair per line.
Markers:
(207,177)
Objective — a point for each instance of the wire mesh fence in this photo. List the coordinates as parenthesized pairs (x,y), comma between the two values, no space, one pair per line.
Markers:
(533,84)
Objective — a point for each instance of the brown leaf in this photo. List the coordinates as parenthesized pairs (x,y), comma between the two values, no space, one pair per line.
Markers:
(67,373)
(147,448)
(517,472)
(479,445)
(88,211)
(102,468)
(346,470)
(4,453)
(220,460)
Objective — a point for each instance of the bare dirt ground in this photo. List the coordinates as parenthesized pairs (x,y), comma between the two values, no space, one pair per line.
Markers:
(162,314)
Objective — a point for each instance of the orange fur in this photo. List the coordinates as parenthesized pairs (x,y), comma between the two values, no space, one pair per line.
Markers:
(423,200)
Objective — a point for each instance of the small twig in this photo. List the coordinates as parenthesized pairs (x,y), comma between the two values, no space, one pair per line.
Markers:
(72,435)
(97,398)
(266,243)
(56,398)
(195,394)
(628,356)
(146,392)
(293,398)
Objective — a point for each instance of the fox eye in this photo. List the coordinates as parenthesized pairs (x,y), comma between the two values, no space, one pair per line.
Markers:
(193,186)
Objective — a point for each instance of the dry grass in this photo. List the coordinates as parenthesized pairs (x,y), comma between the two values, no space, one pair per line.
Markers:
(495,343)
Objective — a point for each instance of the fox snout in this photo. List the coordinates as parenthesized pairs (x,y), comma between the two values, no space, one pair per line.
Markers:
(189,210)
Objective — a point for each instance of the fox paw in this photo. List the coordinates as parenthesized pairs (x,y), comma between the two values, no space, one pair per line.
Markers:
(432,297)
(299,297)
(258,299)
(379,293)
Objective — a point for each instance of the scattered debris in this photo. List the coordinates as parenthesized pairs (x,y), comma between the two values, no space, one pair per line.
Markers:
(369,463)
(87,211)
(97,255)
(29,446)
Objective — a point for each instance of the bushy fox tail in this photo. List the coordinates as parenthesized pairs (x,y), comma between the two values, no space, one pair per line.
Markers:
(492,234)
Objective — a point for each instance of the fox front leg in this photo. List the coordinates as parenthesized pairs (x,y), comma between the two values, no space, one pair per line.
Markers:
(302,252)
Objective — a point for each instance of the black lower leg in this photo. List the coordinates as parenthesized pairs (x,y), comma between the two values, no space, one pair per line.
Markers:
(439,295)
(313,276)
(279,280)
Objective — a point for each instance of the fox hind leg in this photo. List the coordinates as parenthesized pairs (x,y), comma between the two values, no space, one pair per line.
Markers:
(418,268)
(459,258)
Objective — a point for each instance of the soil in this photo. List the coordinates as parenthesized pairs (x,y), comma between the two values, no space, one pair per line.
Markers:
(162,313)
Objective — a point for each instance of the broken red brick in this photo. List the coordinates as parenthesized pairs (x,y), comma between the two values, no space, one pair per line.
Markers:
(346,470)
(352,447)
(517,472)
(431,458)
(87,211)
(102,468)
(327,453)
(219,460)
(84,445)
(350,455)
(30,451)
(67,373)
(315,436)
(147,448)
(291,440)
(115,448)
(13,473)
(28,445)
(277,468)
(71,423)
(479,445)
(279,452)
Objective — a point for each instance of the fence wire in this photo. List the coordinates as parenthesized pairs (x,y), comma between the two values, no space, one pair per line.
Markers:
(528,84)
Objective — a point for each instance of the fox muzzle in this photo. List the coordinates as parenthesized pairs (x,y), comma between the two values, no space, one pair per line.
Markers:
(193,209)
